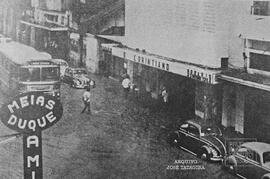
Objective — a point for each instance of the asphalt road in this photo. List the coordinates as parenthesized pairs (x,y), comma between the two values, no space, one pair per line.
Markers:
(120,139)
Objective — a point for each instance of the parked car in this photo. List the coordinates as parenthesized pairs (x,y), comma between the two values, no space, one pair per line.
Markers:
(76,77)
(63,66)
(204,142)
(250,160)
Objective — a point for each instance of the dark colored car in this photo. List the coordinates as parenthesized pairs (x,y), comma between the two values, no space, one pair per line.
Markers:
(250,160)
(76,77)
(204,142)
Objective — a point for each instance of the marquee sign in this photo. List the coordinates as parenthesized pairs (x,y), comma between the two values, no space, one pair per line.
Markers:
(183,68)
(30,113)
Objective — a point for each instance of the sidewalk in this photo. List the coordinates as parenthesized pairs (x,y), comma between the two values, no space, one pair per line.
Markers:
(137,103)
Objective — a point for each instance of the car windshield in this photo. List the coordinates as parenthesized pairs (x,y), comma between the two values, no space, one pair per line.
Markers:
(63,64)
(211,131)
(79,72)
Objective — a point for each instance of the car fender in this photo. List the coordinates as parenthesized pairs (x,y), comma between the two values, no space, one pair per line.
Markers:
(266,176)
(231,160)
(206,148)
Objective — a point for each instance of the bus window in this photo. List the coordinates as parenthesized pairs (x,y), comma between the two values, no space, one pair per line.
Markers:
(30,74)
(50,74)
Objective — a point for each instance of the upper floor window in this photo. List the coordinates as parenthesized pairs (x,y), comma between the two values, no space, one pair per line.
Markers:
(260,62)
(261,8)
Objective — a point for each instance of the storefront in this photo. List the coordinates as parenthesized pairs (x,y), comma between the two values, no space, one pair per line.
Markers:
(193,89)
(246,105)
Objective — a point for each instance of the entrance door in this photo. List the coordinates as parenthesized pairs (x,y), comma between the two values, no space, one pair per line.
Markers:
(181,94)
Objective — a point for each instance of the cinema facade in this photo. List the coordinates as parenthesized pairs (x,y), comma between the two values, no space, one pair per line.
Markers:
(215,68)
(193,89)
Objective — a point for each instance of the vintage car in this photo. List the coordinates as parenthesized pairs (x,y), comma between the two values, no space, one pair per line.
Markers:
(76,77)
(250,160)
(204,142)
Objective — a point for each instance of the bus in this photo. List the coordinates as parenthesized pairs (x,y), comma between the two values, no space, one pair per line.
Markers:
(24,69)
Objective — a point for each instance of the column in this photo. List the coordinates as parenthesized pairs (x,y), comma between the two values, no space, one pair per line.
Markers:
(239,110)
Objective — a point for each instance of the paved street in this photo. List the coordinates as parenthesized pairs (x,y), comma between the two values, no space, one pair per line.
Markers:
(119,140)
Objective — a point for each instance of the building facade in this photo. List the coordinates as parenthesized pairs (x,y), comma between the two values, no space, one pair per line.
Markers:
(180,45)
(10,14)
(246,88)
(45,26)
(212,55)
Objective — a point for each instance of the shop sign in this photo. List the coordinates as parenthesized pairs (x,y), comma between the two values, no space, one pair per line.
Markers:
(30,113)
(200,76)
(153,62)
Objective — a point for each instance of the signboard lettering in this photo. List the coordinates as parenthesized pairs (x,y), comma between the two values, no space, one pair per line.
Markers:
(30,113)
(151,62)
(199,76)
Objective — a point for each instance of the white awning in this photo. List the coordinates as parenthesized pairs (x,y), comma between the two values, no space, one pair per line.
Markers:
(45,27)
(108,46)
(244,82)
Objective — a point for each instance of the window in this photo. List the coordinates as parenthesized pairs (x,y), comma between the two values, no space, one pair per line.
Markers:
(193,130)
(249,154)
(62,20)
(266,157)
(260,61)
(50,74)
(260,8)
(30,74)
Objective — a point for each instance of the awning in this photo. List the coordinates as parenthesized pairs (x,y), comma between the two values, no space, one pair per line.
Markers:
(51,27)
(108,46)
(120,39)
(243,78)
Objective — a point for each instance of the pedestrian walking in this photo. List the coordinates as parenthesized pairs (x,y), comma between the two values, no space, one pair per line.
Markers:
(86,100)
(126,86)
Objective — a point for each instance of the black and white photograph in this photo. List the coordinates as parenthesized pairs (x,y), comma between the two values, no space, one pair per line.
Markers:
(134,89)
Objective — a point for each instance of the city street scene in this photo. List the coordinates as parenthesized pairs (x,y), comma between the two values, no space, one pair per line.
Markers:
(134,89)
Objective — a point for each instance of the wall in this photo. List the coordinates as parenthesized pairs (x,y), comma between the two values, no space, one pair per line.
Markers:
(191,30)
(92,53)
(198,31)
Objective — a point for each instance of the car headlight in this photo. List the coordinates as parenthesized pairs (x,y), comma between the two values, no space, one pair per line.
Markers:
(214,152)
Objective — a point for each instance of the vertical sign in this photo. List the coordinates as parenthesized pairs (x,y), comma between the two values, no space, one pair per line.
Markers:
(32,155)
(30,113)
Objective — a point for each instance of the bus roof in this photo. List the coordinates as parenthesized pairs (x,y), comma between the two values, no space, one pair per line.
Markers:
(20,53)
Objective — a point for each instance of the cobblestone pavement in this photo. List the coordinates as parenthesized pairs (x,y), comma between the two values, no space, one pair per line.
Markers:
(120,139)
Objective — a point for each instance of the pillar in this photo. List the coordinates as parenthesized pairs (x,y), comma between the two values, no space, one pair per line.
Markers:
(239,110)
(32,36)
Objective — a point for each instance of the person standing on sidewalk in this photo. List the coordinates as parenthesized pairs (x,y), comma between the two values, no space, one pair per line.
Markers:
(126,85)
(165,97)
(86,100)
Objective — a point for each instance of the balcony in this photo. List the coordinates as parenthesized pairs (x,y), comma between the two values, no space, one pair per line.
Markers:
(50,20)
